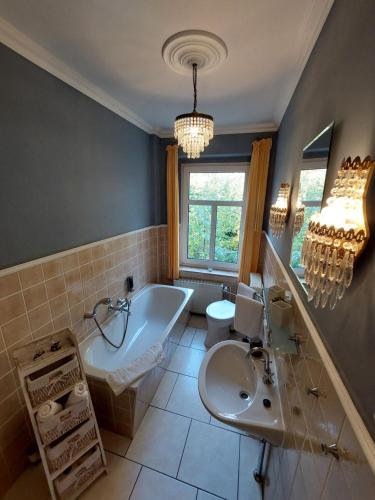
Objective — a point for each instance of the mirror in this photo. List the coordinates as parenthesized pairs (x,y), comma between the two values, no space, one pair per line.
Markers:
(312,178)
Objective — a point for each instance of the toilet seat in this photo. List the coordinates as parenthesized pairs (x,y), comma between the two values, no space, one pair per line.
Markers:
(221,310)
(220,316)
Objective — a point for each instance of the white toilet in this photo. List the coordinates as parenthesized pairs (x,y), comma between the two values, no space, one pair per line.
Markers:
(220,316)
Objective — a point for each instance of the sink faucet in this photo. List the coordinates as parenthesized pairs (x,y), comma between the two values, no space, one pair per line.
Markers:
(267,377)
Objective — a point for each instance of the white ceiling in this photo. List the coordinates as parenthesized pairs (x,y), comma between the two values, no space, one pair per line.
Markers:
(111,50)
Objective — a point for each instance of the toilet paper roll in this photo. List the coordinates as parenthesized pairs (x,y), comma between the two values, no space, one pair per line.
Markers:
(48,410)
(79,392)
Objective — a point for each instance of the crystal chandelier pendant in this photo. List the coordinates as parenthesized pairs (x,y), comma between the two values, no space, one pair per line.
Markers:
(194,130)
(337,235)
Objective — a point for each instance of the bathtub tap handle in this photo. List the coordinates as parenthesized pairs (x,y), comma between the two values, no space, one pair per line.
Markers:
(107,301)
(122,305)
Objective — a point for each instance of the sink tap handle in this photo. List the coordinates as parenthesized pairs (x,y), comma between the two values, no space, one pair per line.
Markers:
(331,449)
(268,378)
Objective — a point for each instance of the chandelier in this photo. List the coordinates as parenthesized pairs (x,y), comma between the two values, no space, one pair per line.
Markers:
(194,130)
(337,235)
(279,211)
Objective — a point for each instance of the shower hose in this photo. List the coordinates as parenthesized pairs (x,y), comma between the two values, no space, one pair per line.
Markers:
(123,335)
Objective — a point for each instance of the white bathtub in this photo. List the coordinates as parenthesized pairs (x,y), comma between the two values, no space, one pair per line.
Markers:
(155,310)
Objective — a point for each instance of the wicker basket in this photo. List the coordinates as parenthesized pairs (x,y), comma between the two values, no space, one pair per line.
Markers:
(44,385)
(64,421)
(64,451)
(67,485)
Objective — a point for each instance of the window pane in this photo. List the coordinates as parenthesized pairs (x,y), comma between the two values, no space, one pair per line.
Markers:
(199,232)
(217,186)
(227,234)
(312,184)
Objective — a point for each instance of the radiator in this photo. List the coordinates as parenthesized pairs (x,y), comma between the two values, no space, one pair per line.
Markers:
(205,292)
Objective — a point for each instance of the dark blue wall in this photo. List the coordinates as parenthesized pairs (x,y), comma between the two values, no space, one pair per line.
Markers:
(71,171)
(338,84)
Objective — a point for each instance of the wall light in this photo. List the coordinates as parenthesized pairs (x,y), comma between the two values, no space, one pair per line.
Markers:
(279,211)
(300,216)
(337,235)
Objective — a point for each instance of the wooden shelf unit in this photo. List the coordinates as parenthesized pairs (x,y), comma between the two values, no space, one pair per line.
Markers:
(38,356)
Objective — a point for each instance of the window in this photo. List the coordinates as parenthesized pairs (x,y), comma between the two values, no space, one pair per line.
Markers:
(311,187)
(212,214)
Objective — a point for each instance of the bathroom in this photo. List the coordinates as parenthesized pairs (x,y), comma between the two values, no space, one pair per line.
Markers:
(186,297)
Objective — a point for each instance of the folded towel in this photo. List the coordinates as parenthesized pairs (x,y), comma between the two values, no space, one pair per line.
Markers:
(248,316)
(48,410)
(246,291)
(78,393)
(121,378)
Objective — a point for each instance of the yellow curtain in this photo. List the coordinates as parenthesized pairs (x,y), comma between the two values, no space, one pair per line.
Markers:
(173,212)
(256,194)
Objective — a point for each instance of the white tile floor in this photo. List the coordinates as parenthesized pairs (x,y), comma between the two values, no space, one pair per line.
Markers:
(179,452)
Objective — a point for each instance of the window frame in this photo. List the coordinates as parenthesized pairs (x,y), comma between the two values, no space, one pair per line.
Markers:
(313,164)
(187,169)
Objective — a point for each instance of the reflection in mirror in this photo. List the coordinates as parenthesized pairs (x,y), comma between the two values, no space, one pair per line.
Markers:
(310,193)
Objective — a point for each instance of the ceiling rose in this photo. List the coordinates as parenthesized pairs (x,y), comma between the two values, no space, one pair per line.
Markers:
(202,48)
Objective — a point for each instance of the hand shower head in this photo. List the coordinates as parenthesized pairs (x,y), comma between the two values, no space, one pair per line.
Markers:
(107,301)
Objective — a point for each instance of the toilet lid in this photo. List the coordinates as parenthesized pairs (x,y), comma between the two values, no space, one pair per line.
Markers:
(223,309)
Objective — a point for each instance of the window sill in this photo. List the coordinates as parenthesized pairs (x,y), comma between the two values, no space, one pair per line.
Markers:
(206,272)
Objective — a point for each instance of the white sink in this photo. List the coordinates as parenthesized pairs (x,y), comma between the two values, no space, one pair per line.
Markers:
(232,390)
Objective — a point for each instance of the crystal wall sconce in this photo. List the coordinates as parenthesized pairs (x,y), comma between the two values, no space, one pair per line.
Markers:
(300,217)
(337,235)
(279,211)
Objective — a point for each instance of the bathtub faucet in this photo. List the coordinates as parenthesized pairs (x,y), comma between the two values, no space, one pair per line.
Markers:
(122,305)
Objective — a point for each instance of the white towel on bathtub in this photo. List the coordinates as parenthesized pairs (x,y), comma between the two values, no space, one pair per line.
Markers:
(121,378)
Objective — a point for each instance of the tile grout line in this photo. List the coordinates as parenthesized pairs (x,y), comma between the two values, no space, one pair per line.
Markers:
(185,416)
(238,468)
(135,482)
(193,418)
(174,385)
(183,451)
(164,474)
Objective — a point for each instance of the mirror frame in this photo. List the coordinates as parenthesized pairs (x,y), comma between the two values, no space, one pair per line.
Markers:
(330,127)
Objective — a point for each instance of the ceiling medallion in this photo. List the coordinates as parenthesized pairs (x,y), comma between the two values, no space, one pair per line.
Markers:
(185,52)
(205,49)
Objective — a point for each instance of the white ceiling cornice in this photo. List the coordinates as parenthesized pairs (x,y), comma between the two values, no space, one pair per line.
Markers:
(25,46)
(316,18)
(32,51)
(241,129)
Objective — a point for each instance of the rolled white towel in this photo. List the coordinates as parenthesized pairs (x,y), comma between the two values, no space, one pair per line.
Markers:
(48,410)
(121,378)
(246,291)
(79,392)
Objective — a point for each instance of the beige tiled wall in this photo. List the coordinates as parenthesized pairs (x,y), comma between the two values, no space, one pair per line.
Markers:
(52,295)
(300,470)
